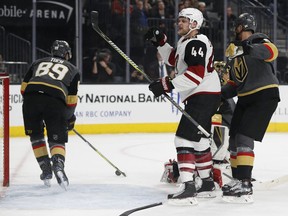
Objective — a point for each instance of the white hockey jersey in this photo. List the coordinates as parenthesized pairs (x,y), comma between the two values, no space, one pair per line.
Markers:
(193,62)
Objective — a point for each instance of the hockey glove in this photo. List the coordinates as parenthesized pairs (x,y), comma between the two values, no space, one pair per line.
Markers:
(71,123)
(171,172)
(233,51)
(161,86)
(156,36)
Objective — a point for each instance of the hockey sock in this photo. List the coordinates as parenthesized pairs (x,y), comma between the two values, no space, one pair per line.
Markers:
(204,163)
(39,149)
(57,149)
(186,163)
(245,162)
(233,162)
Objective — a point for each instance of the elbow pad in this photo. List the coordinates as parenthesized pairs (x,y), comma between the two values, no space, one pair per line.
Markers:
(228,91)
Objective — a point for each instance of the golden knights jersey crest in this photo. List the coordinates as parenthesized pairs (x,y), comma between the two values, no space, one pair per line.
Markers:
(240,69)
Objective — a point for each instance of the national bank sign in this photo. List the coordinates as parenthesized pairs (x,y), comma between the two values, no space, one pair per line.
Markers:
(47,12)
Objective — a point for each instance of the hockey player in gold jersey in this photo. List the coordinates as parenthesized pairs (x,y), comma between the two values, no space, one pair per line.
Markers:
(253,80)
(49,90)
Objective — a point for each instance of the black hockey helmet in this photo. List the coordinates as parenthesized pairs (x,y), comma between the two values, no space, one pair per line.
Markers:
(247,21)
(60,48)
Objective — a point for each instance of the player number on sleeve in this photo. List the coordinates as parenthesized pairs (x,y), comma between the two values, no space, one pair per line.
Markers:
(55,71)
(195,52)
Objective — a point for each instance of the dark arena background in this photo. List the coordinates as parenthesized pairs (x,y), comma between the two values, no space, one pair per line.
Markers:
(25,37)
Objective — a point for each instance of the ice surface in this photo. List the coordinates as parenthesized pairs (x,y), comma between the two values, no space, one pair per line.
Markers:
(95,189)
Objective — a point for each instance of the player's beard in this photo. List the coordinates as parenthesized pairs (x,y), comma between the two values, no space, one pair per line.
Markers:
(237,36)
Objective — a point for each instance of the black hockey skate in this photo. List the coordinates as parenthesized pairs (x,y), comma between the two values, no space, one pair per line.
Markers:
(241,192)
(58,168)
(187,196)
(207,189)
(46,174)
(229,185)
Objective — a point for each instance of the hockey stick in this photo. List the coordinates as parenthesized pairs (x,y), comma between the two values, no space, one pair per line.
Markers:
(266,185)
(126,213)
(94,21)
(118,172)
(259,185)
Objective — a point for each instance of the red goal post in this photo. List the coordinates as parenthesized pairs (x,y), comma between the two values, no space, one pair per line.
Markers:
(4,129)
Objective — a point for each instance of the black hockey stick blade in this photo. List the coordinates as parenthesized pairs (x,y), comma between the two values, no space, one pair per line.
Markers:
(118,172)
(94,19)
(141,208)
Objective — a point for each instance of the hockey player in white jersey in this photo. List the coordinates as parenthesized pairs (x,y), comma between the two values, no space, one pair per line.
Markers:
(199,87)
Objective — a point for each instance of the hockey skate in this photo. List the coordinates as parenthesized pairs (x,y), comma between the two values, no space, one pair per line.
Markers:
(58,169)
(206,188)
(229,185)
(46,174)
(241,192)
(187,196)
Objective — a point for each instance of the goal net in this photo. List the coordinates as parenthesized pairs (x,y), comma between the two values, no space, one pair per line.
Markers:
(4,130)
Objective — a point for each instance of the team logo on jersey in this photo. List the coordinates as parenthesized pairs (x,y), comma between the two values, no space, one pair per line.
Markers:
(240,69)
(55,137)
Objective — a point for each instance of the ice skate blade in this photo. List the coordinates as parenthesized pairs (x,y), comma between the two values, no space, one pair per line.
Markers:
(206,194)
(47,182)
(245,199)
(64,185)
(191,201)
(62,180)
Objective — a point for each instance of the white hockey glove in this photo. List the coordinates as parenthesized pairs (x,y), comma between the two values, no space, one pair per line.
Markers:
(233,51)
(171,172)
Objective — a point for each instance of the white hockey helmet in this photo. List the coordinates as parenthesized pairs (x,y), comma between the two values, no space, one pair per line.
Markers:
(193,14)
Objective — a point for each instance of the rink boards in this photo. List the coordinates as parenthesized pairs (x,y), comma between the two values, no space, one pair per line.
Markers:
(128,109)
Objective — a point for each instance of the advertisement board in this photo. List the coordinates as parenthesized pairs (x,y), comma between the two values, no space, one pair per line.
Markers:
(15,12)
(128,106)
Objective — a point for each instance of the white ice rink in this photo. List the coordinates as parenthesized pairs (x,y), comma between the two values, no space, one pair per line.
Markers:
(95,190)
